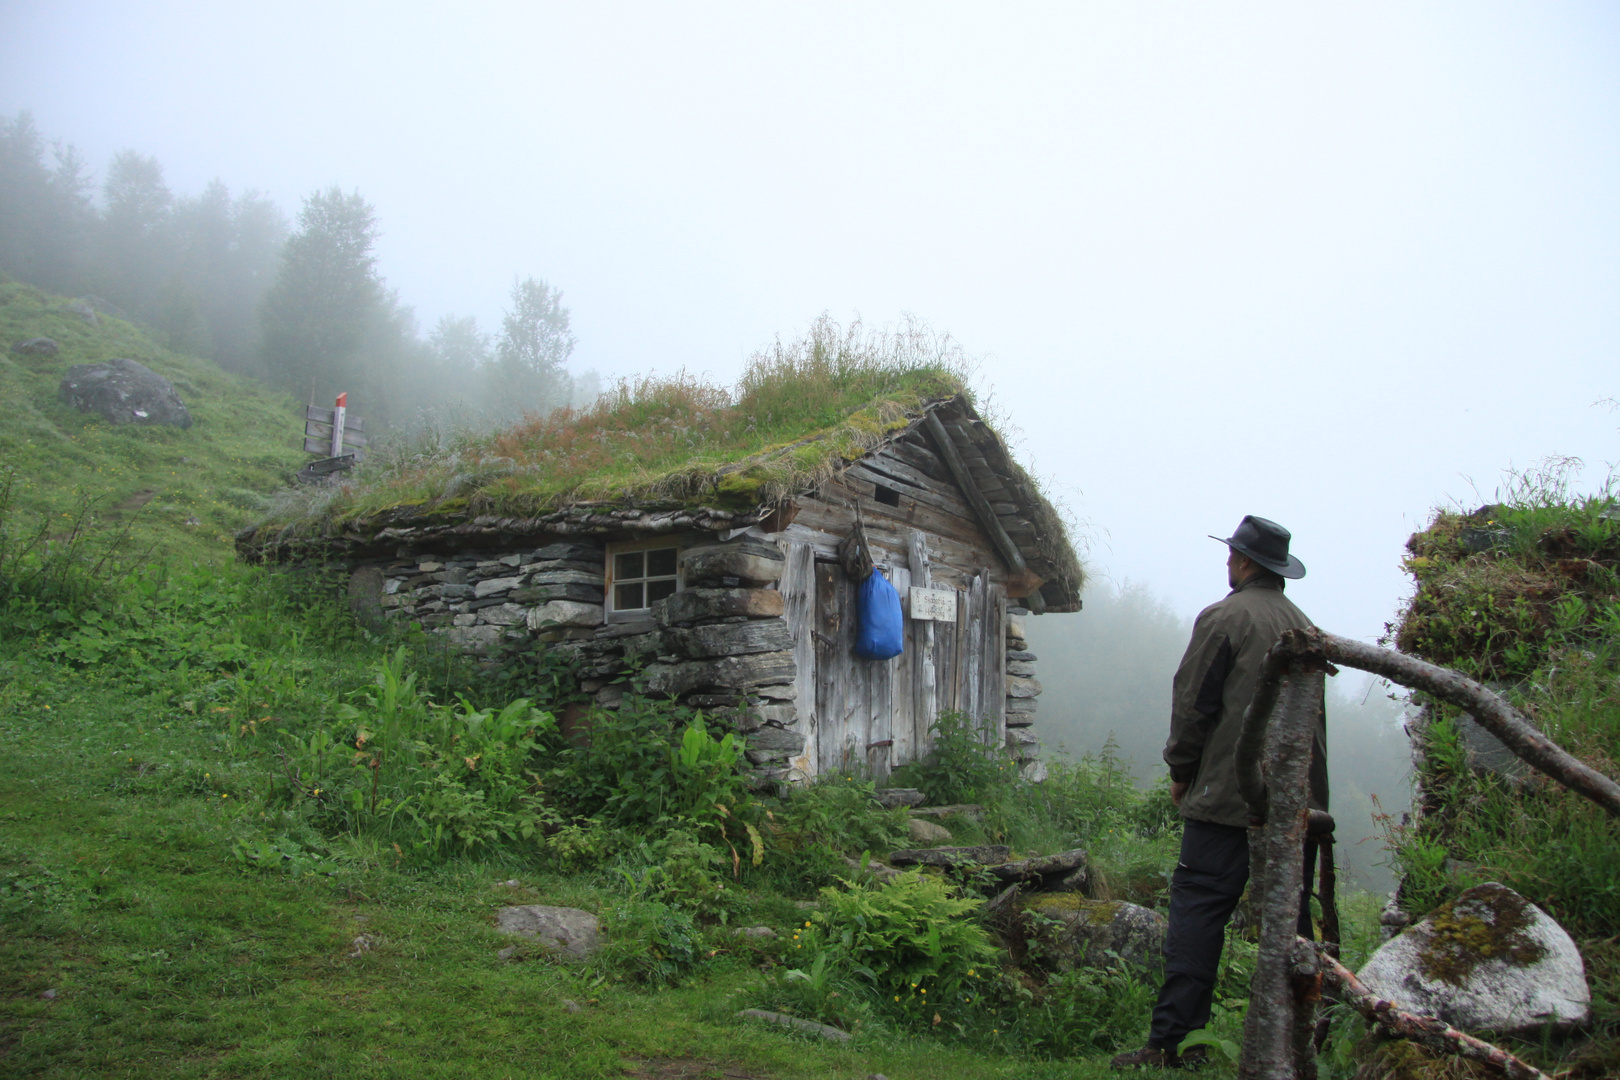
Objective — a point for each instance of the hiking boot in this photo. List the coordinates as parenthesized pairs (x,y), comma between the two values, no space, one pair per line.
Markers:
(1156,1057)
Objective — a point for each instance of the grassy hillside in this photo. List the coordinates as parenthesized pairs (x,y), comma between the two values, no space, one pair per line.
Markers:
(183,492)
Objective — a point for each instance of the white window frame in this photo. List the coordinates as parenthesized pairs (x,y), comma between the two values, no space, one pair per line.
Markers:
(621,547)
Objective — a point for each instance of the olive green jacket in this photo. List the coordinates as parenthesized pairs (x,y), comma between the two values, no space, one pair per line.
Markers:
(1211,691)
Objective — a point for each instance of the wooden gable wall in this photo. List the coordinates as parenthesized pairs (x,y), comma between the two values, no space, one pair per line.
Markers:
(876,714)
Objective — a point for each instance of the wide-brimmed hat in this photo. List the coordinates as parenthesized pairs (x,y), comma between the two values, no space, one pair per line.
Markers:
(1266,542)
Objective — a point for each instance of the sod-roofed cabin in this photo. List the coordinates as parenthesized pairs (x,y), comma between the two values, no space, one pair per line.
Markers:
(708,537)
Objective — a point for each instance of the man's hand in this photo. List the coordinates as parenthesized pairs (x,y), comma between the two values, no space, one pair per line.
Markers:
(1177,791)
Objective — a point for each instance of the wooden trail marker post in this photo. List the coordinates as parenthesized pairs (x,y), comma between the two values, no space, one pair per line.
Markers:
(336,436)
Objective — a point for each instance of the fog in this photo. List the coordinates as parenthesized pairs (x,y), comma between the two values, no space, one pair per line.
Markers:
(1331,265)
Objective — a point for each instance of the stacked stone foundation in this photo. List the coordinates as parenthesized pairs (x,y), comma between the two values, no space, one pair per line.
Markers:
(720,644)
(1023,693)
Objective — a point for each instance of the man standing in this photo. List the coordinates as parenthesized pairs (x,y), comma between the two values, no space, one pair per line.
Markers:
(1212,690)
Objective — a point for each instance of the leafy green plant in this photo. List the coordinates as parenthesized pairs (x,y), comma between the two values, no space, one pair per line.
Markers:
(653,763)
(650,941)
(961,767)
(816,824)
(911,938)
(686,873)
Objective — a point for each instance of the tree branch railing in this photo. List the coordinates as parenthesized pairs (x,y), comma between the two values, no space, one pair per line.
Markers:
(1280,1033)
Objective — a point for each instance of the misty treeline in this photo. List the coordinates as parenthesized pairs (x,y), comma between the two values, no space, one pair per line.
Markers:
(1113,662)
(299,303)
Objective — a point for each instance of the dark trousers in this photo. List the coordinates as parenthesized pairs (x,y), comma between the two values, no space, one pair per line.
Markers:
(1204,891)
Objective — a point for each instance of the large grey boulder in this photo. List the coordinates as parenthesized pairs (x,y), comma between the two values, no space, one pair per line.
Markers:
(1097,933)
(569,931)
(1487,961)
(39,346)
(124,392)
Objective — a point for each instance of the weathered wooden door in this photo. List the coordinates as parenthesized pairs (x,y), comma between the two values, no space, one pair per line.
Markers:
(874,715)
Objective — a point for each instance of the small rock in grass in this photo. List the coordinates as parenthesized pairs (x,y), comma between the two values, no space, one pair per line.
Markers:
(809,1027)
(571,1006)
(506,953)
(926,832)
(570,931)
(49,995)
(363,944)
(761,933)
(884,874)
(40,346)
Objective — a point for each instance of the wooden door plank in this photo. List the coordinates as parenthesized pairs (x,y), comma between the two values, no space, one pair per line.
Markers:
(995,665)
(829,702)
(925,702)
(798,588)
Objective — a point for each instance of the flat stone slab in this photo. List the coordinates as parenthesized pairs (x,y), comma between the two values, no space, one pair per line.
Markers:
(809,1027)
(982,854)
(892,797)
(1067,868)
(1487,961)
(570,931)
(967,810)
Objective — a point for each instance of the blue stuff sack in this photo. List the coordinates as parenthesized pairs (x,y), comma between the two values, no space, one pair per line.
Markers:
(882,632)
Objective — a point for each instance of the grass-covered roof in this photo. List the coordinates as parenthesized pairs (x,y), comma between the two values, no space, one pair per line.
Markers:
(801,412)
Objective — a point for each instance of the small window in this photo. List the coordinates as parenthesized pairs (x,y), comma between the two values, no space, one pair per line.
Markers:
(642,578)
(887,496)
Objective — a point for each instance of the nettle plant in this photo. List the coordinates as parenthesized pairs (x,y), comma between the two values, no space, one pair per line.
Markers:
(443,777)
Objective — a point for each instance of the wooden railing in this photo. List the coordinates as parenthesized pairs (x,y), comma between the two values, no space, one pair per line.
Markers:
(1280,1036)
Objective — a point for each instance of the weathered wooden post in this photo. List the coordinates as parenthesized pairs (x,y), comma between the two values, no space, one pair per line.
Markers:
(1278,789)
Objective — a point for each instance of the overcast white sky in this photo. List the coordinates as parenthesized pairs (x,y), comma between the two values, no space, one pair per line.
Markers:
(1315,262)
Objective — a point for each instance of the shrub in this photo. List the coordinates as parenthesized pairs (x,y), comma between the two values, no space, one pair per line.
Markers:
(655,764)
(817,823)
(650,941)
(961,767)
(911,938)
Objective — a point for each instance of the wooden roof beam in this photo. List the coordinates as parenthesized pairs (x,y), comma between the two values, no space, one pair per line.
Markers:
(981,506)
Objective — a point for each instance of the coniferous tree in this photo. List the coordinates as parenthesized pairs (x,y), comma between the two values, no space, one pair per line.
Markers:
(135,260)
(325,297)
(45,211)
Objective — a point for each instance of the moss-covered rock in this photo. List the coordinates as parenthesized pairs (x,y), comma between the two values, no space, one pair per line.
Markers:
(1077,932)
(1487,961)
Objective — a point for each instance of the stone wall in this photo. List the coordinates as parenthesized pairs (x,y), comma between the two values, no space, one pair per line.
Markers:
(1022,693)
(720,644)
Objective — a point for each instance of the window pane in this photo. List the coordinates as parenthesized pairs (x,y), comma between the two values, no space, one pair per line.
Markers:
(661,563)
(627,597)
(629,565)
(657,590)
